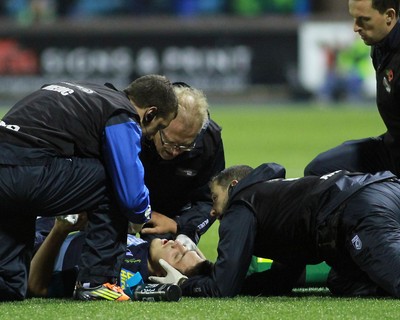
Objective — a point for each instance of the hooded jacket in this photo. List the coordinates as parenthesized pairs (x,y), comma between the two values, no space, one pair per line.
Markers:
(272,217)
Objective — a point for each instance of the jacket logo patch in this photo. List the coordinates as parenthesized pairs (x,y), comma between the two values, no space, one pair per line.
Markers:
(356,241)
(186,172)
(387,79)
(389,75)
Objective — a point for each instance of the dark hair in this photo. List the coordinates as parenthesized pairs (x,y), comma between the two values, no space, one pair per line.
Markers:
(203,268)
(154,90)
(225,177)
(181,84)
(383,5)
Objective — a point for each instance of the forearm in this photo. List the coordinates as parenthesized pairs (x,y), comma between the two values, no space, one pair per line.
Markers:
(235,248)
(195,221)
(42,264)
(121,148)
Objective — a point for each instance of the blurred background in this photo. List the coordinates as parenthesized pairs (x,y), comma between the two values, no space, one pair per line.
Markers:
(236,51)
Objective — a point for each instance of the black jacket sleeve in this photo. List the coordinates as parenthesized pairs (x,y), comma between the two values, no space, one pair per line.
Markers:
(197,220)
(237,233)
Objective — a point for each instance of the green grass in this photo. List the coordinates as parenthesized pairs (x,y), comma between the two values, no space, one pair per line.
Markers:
(302,306)
(291,136)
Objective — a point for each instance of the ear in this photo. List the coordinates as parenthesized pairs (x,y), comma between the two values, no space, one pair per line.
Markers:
(390,16)
(231,185)
(149,115)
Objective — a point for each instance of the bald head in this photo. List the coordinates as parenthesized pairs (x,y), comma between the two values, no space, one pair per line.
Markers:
(183,130)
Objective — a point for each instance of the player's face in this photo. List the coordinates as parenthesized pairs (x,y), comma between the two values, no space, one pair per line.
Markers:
(175,139)
(371,25)
(158,123)
(219,196)
(175,254)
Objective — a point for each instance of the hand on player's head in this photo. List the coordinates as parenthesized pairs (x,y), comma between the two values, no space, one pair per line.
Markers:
(173,252)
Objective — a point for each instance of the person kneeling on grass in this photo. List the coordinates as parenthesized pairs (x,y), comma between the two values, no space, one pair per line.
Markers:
(59,243)
(349,220)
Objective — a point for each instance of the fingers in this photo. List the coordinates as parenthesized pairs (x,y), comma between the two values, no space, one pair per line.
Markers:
(134,228)
(156,279)
(150,230)
(158,229)
(173,275)
(181,280)
(186,242)
(189,244)
(166,266)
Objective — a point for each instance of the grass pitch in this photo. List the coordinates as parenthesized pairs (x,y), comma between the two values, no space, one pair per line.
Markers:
(290,136)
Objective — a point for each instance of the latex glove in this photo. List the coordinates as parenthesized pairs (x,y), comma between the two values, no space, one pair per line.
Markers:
(70,218)
(186,242)
(173,276)
(189,244)
(69,223)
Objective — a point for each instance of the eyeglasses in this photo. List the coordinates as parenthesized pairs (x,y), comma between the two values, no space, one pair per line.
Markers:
(175,146)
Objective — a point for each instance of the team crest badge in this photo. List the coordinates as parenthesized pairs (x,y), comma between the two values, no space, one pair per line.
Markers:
(356,241)
(387,79)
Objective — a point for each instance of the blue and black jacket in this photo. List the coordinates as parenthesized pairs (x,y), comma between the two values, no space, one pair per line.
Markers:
(85,120)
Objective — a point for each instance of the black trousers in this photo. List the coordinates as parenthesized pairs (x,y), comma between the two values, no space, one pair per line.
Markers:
(365,155)
(55,187)
(369,243)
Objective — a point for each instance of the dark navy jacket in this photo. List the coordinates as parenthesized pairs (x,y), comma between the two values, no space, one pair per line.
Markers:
(276,218)
(179,187)
(386,61)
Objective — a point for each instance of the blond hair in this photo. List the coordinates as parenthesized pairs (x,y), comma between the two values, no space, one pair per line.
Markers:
(193,106)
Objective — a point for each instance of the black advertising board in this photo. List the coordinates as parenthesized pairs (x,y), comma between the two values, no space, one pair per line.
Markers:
(213,59)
